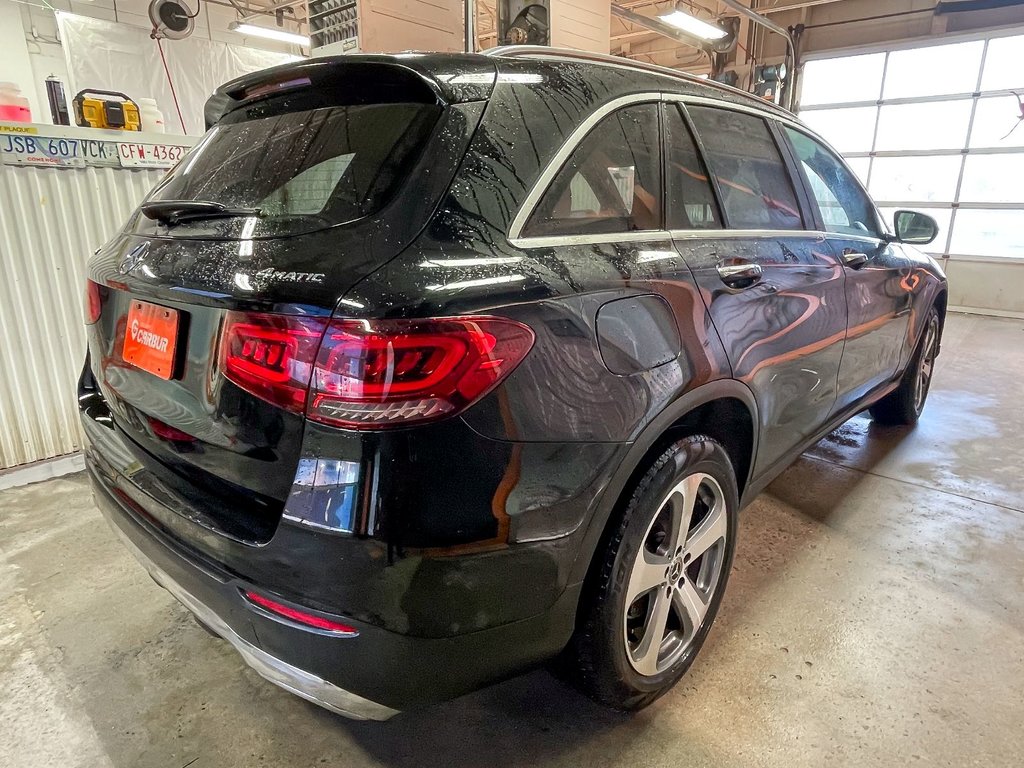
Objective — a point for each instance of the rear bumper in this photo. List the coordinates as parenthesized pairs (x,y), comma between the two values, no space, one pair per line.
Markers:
(371,676)
(277,671)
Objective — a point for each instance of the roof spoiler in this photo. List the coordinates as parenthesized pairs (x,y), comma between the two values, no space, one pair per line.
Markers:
(359,79)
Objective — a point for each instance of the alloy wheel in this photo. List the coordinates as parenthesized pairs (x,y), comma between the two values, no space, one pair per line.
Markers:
(675,574)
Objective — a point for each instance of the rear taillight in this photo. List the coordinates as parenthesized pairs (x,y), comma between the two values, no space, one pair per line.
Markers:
(373,374)
(93,302)
(271,356)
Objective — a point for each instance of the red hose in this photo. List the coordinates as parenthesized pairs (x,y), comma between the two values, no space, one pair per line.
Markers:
(171,83)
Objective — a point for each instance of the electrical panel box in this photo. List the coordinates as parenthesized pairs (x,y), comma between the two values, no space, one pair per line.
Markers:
(385,26)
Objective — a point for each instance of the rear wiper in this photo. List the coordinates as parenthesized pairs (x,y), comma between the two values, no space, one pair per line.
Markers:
(176,211)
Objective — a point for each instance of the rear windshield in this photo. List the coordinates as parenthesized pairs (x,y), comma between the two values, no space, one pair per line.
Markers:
(303,170)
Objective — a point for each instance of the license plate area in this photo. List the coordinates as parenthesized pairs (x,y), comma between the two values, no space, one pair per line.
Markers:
(151,338)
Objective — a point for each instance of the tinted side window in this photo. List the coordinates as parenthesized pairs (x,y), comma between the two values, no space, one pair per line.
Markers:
(611,183)
(690,200)
(755,186)
(844,206)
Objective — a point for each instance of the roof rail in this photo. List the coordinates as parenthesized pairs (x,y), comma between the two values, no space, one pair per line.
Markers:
(548,52)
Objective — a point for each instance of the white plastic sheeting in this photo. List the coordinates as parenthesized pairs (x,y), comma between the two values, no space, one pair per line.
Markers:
(52,220)
(119,57)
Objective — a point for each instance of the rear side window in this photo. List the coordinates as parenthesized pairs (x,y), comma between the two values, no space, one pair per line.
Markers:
(756,189)
(690,199)
(845,207)
(305,169)
(611,183)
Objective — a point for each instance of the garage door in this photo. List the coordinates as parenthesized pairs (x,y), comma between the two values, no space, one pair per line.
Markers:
(937,128)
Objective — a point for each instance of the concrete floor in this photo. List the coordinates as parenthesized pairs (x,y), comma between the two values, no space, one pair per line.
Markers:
(875,617)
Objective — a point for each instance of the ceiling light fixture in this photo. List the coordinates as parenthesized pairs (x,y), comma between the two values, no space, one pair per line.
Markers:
(693,25)
(280,35)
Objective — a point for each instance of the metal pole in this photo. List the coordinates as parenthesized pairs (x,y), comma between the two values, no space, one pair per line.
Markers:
(767,23)
(470,26)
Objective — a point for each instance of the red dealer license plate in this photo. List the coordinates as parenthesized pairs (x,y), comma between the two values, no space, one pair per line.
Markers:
(150,338)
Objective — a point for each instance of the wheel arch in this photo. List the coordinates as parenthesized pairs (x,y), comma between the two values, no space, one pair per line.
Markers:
(724,410)
(940,303)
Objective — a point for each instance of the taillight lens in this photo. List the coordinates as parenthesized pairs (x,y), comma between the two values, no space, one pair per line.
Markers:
(93,302)
(373,374)
(271,356)
(370,374)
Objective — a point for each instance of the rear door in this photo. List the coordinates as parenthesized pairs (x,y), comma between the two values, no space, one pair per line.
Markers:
(774,290)
(878,293)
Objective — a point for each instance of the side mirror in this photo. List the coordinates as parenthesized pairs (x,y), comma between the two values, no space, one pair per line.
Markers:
(915,228)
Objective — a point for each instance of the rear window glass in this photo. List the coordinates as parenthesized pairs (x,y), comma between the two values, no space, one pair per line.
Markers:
(305,169)
(610,184)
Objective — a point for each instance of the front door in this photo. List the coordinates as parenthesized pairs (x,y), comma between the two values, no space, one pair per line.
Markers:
(878,294)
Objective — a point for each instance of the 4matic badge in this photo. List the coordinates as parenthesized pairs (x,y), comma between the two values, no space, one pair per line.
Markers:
(290,277)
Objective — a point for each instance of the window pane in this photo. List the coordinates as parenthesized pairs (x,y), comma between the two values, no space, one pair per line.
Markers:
(848,130)
(308,192)
(843,79)
(611,182)
(1004,64)
(993,179)
(934,125)
(988,233)
(755,186)
(691,203)
(905,179)
(860,166)
(941,216)
(308,168)
(844,206)
(994,120)
(933,71)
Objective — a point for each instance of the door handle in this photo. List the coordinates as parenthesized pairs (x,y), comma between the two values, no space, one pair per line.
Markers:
(740,275)
(854,259)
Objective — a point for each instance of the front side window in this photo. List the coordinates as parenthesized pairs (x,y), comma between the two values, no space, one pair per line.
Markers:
(610,184)
(752,178)
(844,206)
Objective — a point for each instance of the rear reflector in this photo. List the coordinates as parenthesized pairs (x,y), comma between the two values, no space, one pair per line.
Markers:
(371,374)
(93,302)
(387,373)
(167,432)
(300,617)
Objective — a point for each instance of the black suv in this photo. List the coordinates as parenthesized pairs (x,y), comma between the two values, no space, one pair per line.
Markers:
(420,370)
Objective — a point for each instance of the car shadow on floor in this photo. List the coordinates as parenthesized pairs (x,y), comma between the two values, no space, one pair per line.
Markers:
(526,721)
(534,718)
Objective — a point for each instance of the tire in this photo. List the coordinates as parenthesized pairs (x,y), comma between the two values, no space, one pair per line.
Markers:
(645,576)
(904,405)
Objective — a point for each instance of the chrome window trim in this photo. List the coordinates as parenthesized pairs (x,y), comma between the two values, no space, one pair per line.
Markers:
(516,239)
(655,235)
(549,241)
(745,234)
(707,101)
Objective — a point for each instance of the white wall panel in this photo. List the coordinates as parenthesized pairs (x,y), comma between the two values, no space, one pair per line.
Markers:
(51,221)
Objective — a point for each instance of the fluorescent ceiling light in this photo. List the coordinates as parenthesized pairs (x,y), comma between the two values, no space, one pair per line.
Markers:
(693,25)
(268,32)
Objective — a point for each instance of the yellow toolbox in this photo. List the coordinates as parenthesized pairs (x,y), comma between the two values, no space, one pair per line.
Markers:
(93,110)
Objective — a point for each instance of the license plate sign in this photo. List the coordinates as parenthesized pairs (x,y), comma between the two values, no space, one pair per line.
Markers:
(151,338)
